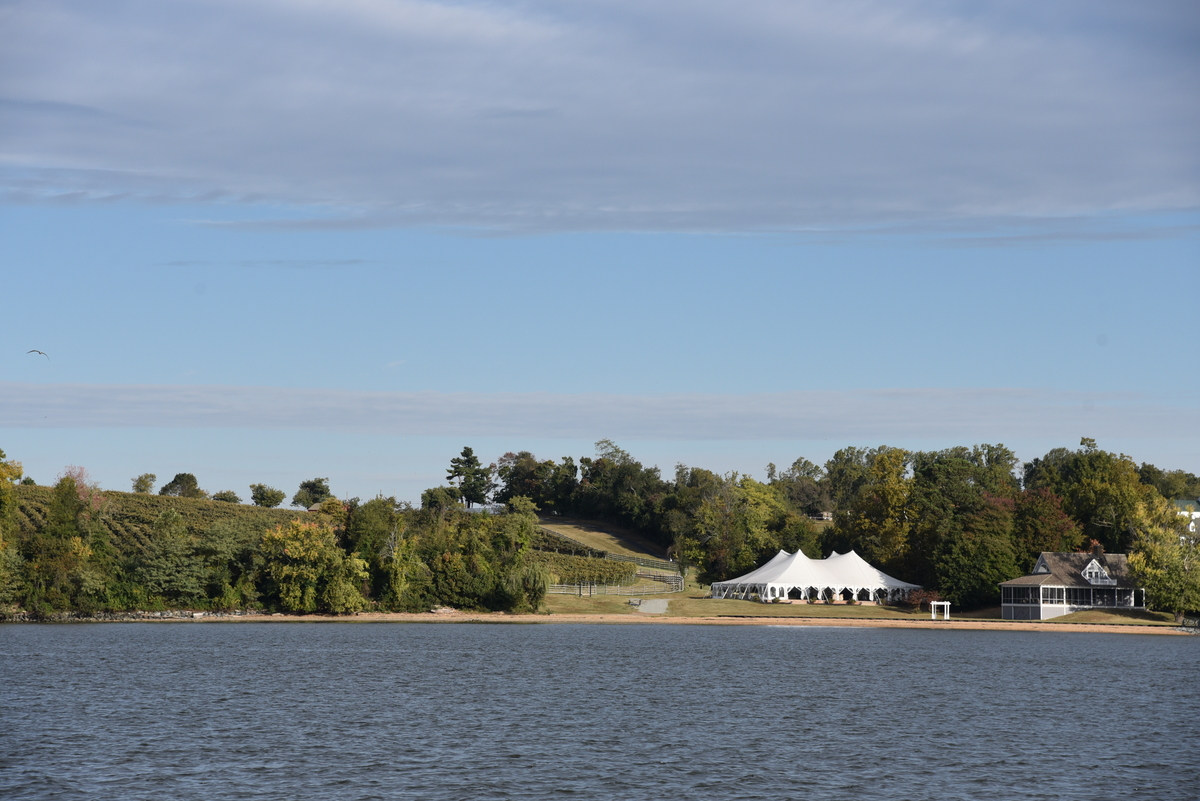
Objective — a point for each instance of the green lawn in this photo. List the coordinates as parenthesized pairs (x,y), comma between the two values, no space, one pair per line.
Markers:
(693,602)
(1127,617)
(604,537)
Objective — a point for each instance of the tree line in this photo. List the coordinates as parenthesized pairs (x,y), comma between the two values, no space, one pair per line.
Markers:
(957,521)
(185,485)
(74,547)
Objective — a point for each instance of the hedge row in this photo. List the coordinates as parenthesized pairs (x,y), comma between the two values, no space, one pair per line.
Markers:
(565,569)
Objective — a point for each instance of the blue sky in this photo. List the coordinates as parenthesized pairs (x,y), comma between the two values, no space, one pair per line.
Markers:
(265,241)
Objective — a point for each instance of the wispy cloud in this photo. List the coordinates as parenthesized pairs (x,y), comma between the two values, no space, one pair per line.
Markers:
(971,414)
(697,115)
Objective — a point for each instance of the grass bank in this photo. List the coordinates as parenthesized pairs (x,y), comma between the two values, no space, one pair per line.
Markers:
(693,603)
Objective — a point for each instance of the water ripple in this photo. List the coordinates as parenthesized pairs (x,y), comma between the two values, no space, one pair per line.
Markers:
(445,711)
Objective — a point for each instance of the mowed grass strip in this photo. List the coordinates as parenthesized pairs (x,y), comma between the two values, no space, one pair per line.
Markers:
(1119,617)
(604,537)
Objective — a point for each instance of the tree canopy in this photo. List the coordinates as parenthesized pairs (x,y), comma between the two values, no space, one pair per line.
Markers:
(265,496)
(957,521)
(474,481)
(184,485)
(311,493)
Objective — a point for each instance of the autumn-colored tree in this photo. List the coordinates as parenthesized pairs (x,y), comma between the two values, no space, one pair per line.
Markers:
(1040,524)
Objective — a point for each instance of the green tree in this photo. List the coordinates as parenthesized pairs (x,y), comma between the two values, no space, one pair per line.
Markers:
(144,483)
(875,520)
(170,566)
(521,474)
(473,479)
(1165,558)
(369,526)
(310,571)
(312,492)
(735,524)
(406,579)
(563,484)
(440,498)
(846,473)
(1101,491)
(1171,484)
(228,496)
(616,487)
(62,567)
(527,585)
(12,584)
(265,496)
(226,550)
(521,505)
(184,485)
(804,487)
(948,487)
(976,554)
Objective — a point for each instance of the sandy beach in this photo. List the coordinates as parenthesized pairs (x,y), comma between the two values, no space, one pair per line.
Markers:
(635,619)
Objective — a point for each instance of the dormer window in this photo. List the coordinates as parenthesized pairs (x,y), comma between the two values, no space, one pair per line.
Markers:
(1041,566)
(1095,574)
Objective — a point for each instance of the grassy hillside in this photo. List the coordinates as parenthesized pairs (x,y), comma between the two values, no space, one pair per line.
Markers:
(129,517)
(603,536)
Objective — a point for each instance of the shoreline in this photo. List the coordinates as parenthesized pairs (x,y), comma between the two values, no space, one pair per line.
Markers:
(636,619)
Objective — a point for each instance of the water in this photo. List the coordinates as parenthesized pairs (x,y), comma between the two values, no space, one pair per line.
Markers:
(460,711)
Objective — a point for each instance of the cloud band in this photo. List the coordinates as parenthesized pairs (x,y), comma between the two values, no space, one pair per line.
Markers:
(971,414)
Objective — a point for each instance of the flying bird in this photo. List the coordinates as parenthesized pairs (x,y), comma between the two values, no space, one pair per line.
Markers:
(35,350)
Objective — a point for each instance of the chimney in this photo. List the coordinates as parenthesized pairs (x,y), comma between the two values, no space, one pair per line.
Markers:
(1097,549)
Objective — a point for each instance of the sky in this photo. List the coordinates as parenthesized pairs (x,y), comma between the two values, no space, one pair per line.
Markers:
(265,241)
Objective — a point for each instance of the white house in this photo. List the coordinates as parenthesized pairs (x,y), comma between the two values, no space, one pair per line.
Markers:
(1062,583)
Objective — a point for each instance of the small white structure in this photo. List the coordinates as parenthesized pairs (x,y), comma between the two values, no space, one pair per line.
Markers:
(794,575)
(1188,509)
(945,605)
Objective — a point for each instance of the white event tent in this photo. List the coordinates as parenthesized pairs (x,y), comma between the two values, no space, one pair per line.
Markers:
(817,579)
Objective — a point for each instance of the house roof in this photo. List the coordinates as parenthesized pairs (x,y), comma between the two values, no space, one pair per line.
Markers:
(1066,570)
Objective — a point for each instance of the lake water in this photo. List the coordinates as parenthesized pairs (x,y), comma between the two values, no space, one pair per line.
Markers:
(467,711)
